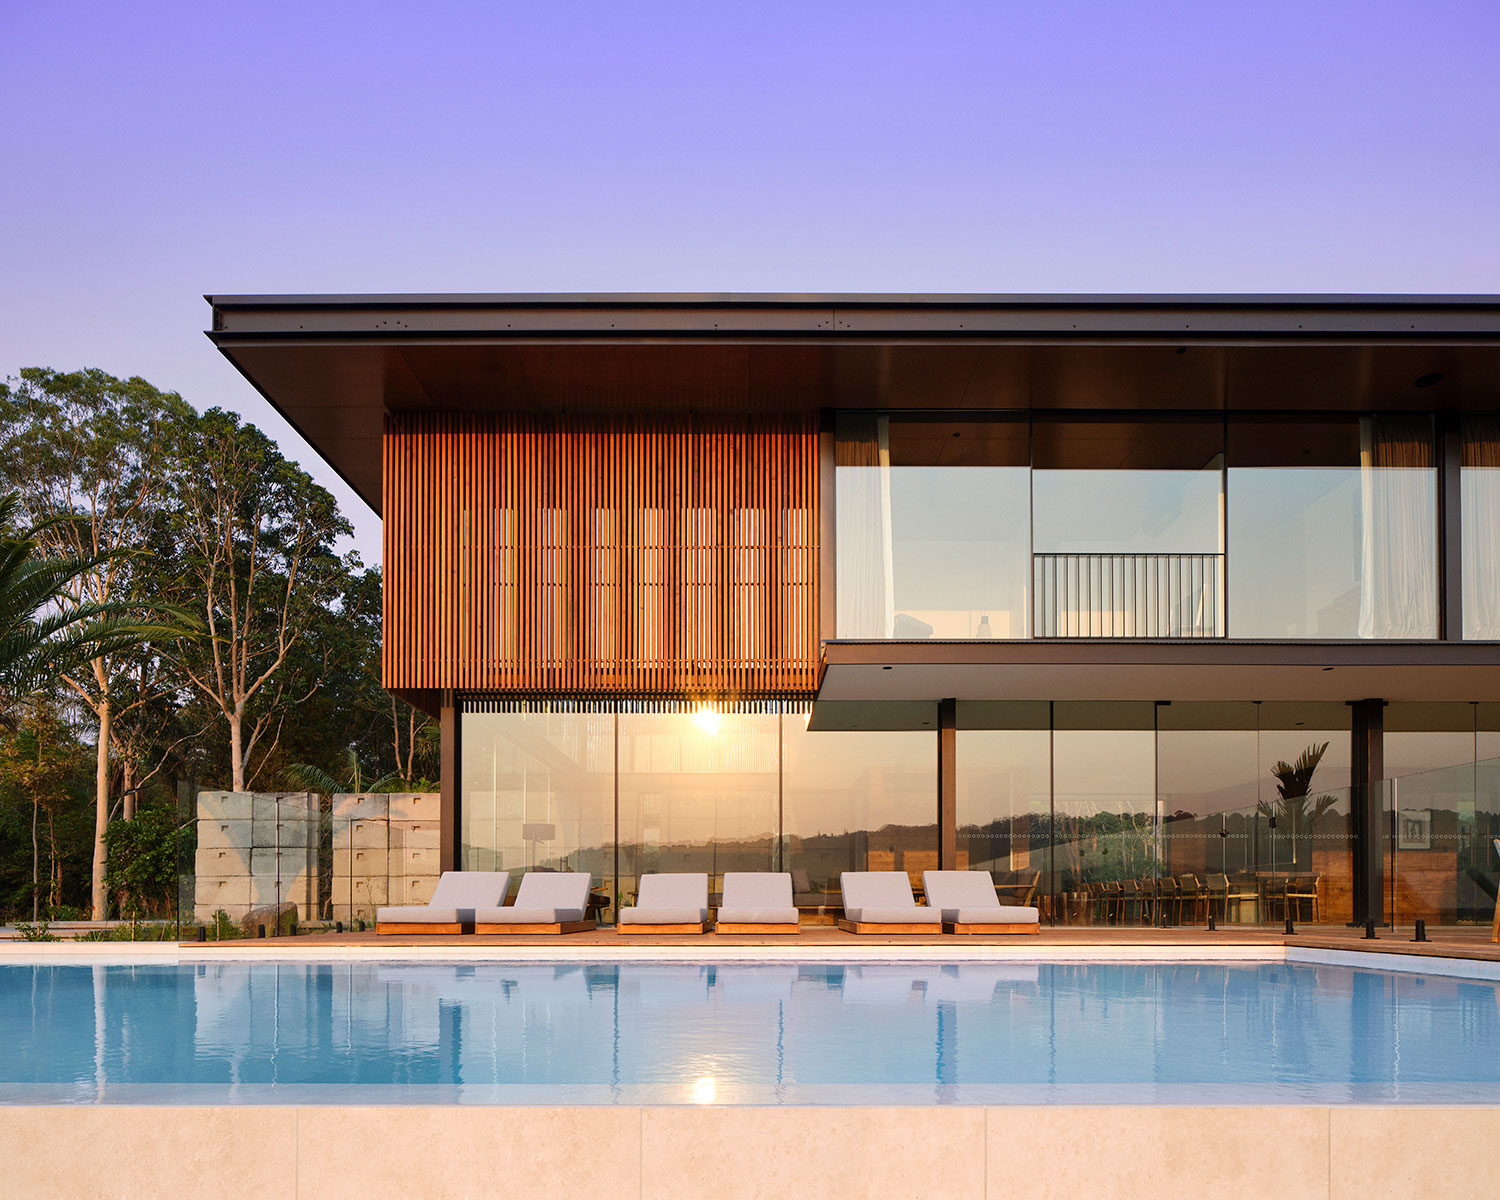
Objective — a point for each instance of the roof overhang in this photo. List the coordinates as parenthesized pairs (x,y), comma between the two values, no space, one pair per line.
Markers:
(335,365)
(907,672)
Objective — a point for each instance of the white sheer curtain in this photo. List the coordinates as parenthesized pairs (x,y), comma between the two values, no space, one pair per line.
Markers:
(866,585)
(1481,527)
(1398,494)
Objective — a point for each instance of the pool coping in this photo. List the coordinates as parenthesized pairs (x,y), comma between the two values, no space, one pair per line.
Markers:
(285,951)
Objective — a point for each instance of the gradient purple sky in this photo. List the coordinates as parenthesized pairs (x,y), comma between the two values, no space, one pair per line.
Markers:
(155,152)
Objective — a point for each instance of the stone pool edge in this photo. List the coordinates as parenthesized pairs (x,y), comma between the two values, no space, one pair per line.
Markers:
(278,950)
(1342,1152)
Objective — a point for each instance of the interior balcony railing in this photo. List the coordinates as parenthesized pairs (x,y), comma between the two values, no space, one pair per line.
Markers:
(1128,595)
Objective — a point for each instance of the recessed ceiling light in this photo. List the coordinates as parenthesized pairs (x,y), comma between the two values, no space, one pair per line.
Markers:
(886,668)
(1430,379)
(1327,668)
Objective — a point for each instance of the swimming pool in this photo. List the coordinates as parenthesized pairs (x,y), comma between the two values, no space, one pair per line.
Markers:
(638,1033)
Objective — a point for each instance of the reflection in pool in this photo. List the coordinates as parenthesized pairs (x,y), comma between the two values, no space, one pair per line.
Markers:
(808,1033)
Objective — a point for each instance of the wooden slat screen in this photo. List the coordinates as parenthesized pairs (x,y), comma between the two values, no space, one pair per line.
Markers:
(601,555)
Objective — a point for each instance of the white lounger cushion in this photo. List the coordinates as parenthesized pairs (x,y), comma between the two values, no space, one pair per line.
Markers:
(884,898)
(544,898)
(915,915)
(423,914)
(672,899)
(663,916)
(758,898)
(968,898)
(758,916)
(454,899)
(1006,914)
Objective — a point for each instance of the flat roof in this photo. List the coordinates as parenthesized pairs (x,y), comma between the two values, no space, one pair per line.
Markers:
(334,365)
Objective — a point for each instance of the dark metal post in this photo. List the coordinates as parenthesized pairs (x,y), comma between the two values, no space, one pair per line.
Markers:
(1367,818)
(449,721)
(947,812)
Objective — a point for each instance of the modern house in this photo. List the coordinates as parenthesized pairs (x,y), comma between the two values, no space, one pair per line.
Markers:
(1154,606)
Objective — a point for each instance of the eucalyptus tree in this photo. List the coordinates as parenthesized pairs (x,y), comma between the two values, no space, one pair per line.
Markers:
(256,539)
(94,455)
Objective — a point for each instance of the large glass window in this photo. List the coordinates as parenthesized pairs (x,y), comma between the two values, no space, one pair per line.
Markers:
(1480,486)
(699,791)
(1004,795)
(1128,528)
(1104,798)
(539,793)
(862,797)
(1333,529)
(933,524)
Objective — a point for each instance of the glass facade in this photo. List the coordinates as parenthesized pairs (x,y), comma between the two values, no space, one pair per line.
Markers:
(1049,527)
(1108,812)
(932,537)
(1333,529)
(620,791)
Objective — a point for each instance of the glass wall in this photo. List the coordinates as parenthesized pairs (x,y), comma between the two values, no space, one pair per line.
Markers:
(1110,812)
(859,798)
(933,528)
(1333,529)
(709,789)
(538,793)
(699,791)
(1128,528)
(1004,796)
(1051,527)
(1480,488)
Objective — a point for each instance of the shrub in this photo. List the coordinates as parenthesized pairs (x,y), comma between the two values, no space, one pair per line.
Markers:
(35,933)
(141,857)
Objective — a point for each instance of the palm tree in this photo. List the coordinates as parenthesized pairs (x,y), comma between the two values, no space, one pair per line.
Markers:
(42,633)
(1293,786)
(307,778)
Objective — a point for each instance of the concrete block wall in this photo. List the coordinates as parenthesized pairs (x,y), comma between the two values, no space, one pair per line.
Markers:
(253,849)
(385,851)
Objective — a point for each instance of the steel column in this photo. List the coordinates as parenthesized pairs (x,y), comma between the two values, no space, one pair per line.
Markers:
(1367,815)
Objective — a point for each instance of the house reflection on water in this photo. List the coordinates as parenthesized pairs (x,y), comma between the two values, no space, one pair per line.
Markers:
(700,1033)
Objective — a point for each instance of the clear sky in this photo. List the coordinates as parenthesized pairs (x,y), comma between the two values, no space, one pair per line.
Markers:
(155,152)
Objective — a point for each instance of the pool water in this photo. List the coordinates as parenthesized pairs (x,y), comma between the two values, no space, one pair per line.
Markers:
(805,1033)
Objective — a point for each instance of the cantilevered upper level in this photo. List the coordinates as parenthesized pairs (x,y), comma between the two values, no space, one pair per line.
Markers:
(334,365)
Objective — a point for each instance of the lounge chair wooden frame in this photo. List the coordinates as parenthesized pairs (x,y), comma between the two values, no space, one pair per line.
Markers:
(687,927)
(1012,929)
(890,926)
(776,927)
(544,929)
(422,928)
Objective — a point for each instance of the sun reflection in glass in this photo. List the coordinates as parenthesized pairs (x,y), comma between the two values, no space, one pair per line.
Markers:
(703,1090)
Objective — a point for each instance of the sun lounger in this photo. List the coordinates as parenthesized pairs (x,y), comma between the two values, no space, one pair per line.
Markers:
(968,904)
(757,902)
(668,904)
(550,902)
(882,902)
(451,909)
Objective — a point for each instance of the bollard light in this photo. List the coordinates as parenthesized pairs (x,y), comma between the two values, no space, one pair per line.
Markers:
(338,927)
(202,934)
(1211,926)
(1370,931)
(1421,931)
(1289,928)
(260,931)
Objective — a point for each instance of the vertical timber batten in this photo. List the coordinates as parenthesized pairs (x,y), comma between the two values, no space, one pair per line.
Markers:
(602,556)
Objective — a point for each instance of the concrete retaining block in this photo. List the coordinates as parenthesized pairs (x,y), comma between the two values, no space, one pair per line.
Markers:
(225,806)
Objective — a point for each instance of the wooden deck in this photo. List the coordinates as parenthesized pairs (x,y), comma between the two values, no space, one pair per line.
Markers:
(1470,942)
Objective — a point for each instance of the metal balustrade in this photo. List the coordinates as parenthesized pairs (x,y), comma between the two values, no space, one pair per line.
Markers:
(1128,595)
